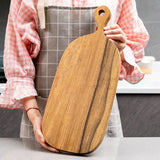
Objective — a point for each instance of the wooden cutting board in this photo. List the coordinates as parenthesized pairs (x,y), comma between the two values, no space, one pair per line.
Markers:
(82,94)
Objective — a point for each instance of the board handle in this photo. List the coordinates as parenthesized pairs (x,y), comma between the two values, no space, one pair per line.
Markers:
(102,16)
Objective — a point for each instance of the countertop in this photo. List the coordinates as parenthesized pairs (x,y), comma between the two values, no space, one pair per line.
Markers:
(110,149)
(150,84)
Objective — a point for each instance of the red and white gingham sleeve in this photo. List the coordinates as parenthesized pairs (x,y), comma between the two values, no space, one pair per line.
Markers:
(137,38)
(22,43)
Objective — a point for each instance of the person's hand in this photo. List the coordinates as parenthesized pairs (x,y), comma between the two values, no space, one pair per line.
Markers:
(37,128)
(36,120)
(116,35)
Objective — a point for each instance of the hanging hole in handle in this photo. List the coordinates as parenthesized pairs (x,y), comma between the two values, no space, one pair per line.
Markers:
(101,12)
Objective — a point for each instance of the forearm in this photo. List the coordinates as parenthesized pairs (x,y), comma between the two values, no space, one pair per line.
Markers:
(32,114)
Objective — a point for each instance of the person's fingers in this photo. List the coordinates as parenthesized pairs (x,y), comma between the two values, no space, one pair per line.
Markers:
(39,136)
(45,145)
(120,46)
(109,27)
(42,142)
(117,37)
(115,26)
(115,31)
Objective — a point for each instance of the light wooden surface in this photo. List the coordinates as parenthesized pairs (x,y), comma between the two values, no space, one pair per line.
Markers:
(82,94)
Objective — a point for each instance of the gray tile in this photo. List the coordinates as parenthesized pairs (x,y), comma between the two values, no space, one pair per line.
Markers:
(153,51)
(149,11)
(153,47)
(2,34)
(154,30)
(4,9)
(140,114)
(10,122)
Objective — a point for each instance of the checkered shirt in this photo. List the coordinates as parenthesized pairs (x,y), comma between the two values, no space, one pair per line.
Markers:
(22,44)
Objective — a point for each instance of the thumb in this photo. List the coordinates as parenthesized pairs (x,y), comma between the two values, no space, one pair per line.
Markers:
(40,134)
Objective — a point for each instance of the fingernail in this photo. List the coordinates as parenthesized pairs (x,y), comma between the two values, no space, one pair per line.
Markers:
(106,32)
(106,27)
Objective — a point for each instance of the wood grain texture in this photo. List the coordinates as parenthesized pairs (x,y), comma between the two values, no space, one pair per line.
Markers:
(82,94)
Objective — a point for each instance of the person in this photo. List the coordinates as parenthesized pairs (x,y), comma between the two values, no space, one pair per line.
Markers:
(37,33)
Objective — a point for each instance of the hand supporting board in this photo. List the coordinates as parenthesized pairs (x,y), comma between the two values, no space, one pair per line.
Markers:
(83,90)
